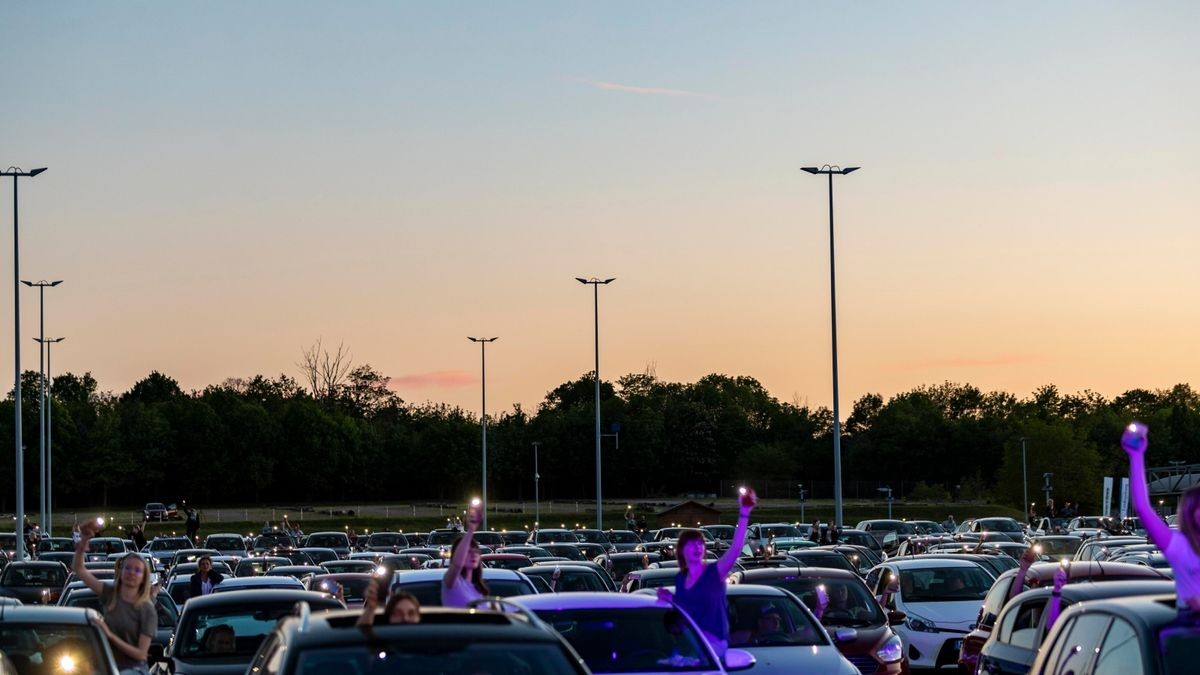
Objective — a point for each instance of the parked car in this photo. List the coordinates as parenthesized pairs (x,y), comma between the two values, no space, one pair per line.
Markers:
(888,533)
(220,632)
(1013,645)
(1125,635)
(385,542)
(427,584)
(821,558)
(551,536)
(164,605)
(445,641)
(784,637)
(648,578)
(623,540)
(66,637)
(566,578)
(1040,574)
(353,586)
(154,511)
(940,599)
(226,543)
(33,582)
(338,541)
(875,647)
(257,566)
(239,584)
(623,633)
(163,549)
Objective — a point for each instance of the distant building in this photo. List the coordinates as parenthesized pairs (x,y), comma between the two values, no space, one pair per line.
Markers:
(687,514)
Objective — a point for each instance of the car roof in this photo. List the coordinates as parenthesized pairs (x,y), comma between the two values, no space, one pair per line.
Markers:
(489,573)
(763,573)
(916,563)
(1044,571)
(1111,589)
(44,614)
(211,600)
(245,583)
(1149,611)
(335,627)
(586,600)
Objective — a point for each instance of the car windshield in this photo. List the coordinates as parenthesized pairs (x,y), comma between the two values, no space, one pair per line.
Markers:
(57,544)
(551,536)
(999,525)
(779,531)
(765,620)
(106,545)
(568,551)
(387,540)
(836,561)
(353,588)
(899,527)
(437,657)
(328,541)
(1060,546)
(429,593)
(926,527)
(72,648)
(225,543)
(570,581)
(31,575)
(850,604)
(624,537)
(722,532)
(169,544)
(650,639)
(944,584)
(228,631)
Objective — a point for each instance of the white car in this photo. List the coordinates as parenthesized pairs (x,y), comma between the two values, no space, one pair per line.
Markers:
(632,634)
(940,599)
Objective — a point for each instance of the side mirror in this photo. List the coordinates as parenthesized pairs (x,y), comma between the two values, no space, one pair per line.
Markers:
(896,617)
(739,659)
(844,635)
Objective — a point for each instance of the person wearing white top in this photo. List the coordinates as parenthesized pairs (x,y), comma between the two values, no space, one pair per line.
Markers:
(463,581)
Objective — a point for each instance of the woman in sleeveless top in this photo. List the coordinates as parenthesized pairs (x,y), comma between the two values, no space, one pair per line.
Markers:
(1182,548)
(463,581)
(699,586)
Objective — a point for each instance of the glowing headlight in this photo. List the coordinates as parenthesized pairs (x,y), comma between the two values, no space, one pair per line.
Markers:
(891,650)
(920,624)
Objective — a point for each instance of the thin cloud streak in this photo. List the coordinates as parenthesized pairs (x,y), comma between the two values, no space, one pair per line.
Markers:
(645,91)
(964,362)
(438,379)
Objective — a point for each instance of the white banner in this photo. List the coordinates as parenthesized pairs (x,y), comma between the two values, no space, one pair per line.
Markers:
(1124,498)
(1107,499)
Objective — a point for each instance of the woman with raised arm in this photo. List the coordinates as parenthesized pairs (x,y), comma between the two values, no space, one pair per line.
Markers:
(130,620)
(699,586)
(1182,548)
(463,581)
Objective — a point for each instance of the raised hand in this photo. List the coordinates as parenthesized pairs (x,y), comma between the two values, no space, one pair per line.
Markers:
(748,500)
(1134,440)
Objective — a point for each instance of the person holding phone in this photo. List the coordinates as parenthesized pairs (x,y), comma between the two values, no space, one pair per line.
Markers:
(1181,548)
(700,586)
(463,582)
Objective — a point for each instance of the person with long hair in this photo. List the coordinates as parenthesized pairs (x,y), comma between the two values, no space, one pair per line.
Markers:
(699,586)
(1182,548)
(128,617)
(400,606)
(463,582)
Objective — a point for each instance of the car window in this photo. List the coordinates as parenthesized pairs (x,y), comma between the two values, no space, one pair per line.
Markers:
(51,643)
(1020,625)
(228,631)
(651,639)
(994,602)
(437,656)
(1120,652)
(761,620)
(1179,646)
(944,584)
(1075,647)
(850,604)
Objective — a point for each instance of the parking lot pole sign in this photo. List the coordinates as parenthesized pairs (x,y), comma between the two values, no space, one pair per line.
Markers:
(483,416)
(1107,499)
(1124,498)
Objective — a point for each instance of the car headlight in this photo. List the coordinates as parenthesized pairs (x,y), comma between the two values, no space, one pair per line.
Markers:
(920,624)
(891,650)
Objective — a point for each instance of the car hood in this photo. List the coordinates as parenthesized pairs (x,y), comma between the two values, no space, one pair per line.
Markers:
(958,615)
(824,659)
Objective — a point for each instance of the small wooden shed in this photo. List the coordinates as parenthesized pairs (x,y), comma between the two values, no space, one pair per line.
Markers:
(687,514)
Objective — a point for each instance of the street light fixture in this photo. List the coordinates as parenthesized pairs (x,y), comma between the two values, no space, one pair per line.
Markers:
(41,286)
(829,170)
(48,518)
(596,283)
(483,415)
(15,172)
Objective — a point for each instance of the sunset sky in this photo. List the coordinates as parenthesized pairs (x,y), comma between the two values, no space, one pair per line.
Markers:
(229,181)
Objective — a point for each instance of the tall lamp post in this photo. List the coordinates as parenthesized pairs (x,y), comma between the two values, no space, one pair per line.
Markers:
(48,518)
(595,283)
(537,504)
(1024,475)
(20,464)
(45,501)
(888,491)
(837,420)
(483,342)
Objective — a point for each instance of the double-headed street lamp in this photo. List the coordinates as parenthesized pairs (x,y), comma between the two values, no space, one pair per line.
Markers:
(47,485)
(596,283)
(20,464)
(45,500)
(483,342)
(837,421)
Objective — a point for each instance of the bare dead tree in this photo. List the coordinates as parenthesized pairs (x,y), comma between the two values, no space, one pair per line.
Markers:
(324,372)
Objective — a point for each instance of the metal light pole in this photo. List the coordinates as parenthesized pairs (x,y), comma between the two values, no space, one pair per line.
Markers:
(887,490)
(837,421)
(483,416)
(802,493)
(1024,476)
(41,286)
(20,464)
(596,305)
(537,504)
(48,523)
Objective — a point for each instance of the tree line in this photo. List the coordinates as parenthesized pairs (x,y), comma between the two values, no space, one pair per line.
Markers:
(349,438)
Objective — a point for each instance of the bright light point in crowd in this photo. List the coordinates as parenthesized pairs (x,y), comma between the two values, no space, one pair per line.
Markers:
(742,490)
(66,663)
(380,571)
(475,502)
(100,521)
(1132,426)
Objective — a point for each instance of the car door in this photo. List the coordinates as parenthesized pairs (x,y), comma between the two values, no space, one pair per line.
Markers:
(1076,644)
(1018,634)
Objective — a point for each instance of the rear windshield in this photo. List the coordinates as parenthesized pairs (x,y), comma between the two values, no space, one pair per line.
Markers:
(850,604)
(70,647)
(770,621)
(328,541)
(624,537)
(944,584)
(226,543)
(780,531)
(234,630)
(28,575)
(440,657)
(429,593)
(999,525)
(387,540)
(170,544)
(651,639)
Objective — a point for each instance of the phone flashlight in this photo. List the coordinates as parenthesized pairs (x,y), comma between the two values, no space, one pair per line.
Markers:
(381,571)
(1037,548)
(99,521)
(742,490)
(475,502)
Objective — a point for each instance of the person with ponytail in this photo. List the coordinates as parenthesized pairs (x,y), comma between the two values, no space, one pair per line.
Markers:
(130,619)
(699,586)
(463,581)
